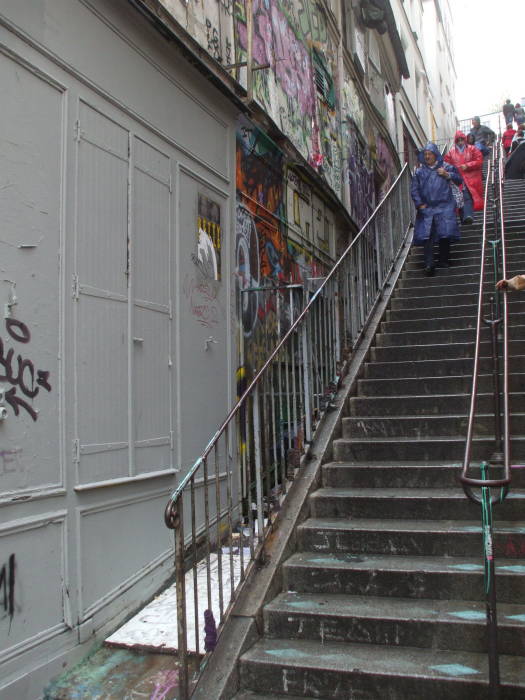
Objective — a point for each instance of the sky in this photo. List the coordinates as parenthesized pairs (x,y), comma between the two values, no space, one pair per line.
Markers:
(488,48)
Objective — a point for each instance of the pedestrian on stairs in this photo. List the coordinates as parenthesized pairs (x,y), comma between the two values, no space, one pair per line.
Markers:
(507,136)
(436,206)
(508,112)
(469,161)
(482,133)
(485,151)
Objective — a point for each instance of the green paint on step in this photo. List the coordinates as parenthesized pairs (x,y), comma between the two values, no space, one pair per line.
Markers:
(455,670)
(469,615)
(466,567)
(118,674)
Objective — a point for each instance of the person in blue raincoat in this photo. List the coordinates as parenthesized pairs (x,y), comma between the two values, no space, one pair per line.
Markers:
(436,219)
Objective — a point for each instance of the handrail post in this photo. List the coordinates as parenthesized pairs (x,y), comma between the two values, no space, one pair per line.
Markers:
(307,382)
(490,589)
(180,585)
(258,462)
(497,456)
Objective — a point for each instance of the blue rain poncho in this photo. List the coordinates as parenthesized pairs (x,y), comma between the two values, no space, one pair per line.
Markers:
(434,190)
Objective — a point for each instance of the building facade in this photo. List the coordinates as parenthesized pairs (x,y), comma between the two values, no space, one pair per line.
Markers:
(175,177)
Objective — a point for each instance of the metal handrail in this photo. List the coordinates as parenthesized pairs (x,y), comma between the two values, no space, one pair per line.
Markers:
(245,468)
(504,448)
(501,455)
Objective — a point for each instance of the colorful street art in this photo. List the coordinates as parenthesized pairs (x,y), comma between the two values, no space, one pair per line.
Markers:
(208,253)
(284,32)
(267,262)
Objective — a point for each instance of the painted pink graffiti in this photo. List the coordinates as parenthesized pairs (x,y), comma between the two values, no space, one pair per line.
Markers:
(164,684)
(202,298)
(275,42)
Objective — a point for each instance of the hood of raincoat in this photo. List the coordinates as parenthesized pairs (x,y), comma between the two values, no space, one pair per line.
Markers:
(431,147)
(460,135)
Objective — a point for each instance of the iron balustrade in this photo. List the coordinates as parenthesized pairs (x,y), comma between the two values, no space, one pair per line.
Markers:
(500,459)
(224,506)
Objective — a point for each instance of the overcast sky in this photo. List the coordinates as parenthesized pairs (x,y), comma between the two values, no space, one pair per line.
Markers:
(488,45)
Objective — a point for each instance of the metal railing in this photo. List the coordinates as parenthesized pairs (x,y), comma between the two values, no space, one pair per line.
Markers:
(500,458)
(224,507)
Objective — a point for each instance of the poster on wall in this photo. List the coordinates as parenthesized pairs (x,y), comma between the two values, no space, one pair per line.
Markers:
(208,254)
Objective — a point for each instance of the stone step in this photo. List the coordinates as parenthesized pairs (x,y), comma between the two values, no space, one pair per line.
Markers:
(249,695)
(516,306)
(402,503)
(442,405)
(434,336)
(467,255)
(435,368)
(339,671)
(432,324)
(449,449)
(415,427)
(438,624)
(434,385)
(435,351)
(433,300)
(441,285)
(390,474)
(444,578)
(453,538)
(457,270)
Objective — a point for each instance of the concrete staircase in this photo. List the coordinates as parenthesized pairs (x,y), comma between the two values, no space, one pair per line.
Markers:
(383,598)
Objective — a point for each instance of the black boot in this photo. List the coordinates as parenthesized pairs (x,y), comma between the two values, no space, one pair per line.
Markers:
(444,252)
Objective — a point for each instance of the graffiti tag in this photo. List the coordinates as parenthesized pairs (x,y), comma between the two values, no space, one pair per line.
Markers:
(20,371)
(7,587)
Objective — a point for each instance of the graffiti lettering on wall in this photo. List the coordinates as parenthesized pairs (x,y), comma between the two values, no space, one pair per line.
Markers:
(20,372)
(214,44)
(208,254)
(385,164)
(202,297)
(277,42)
(359,177)
(7,587)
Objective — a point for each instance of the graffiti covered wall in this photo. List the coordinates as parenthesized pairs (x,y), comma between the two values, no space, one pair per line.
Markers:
(270,268)
(297,83)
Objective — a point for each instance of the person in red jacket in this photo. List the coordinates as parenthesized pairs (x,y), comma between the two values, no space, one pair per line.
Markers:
(469,161)
(507,136)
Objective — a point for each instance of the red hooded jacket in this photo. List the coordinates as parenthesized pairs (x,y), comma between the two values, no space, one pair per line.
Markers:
(507,137)
(469,163)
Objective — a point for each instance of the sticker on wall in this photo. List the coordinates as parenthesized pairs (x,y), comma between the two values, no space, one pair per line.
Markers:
(208,252)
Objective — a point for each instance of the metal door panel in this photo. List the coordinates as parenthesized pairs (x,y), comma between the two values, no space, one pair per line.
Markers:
(204,382)
(102,193)
(151,388)
(28,569)
(102,386)
(120,526)
(150,287)
(151,225)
